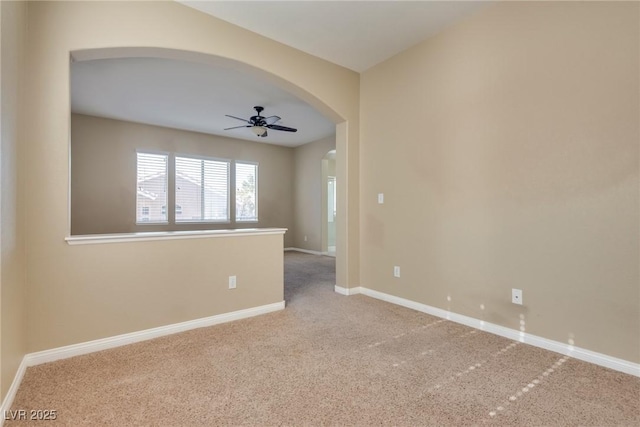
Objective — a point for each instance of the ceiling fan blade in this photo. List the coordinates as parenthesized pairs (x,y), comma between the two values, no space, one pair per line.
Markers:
(238,118)
(237,127)
(272,119)
(264,134)
(283,128)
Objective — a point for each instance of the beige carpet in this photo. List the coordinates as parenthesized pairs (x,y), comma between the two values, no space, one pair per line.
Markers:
(330,360)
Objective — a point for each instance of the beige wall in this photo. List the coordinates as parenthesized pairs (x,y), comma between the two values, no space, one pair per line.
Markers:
(125,287)
(509,159)
(308,193)
(103,174)
(12,278)
(79,293)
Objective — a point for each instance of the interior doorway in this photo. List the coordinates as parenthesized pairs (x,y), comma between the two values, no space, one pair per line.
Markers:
(331,215)
(329,203)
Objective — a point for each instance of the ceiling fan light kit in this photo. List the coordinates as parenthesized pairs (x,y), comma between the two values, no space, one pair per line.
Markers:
(259,131)
(260,124)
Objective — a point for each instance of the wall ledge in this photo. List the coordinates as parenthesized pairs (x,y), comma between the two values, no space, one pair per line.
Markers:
(95,239)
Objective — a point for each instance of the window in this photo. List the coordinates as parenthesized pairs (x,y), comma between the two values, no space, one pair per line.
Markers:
(152,188)
(202,190)
(246,192)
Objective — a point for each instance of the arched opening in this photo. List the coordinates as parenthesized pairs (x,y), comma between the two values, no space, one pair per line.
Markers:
(340,236)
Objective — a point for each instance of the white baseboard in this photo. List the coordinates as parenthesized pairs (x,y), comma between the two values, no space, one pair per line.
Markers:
(306,251)
(54,354)
(120,340)
(13,389)
(534,340)
(346,291)
(309,251)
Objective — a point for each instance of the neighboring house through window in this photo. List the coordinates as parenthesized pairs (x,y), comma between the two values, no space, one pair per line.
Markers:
(202,190)
(152,188)
(246,192)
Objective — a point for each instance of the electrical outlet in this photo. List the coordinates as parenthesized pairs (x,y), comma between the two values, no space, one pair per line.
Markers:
(380,198)
(516,296)
(305,238)
(232,282)
(396,271)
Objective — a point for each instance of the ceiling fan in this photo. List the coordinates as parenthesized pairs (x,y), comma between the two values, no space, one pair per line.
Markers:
(259,124)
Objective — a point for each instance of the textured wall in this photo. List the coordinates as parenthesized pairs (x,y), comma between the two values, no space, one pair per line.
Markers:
(309,194)
(12,278)
(509,159)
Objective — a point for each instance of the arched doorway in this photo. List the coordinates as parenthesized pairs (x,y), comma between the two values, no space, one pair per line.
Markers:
(340,176)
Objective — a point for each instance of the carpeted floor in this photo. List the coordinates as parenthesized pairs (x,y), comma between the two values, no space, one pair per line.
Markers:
(328,359)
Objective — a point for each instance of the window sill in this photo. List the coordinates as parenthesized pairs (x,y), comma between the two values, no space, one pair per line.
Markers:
(202,222)
(93,239)
(153,223)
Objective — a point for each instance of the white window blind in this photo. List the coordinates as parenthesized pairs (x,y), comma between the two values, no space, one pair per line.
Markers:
(246,192)
(152,184)
(202,190)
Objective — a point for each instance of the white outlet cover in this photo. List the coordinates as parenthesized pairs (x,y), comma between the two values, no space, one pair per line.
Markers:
(516,296)
(380,198)
(396,271)
(232,282)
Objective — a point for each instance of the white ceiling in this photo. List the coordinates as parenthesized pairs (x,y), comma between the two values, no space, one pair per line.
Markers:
(196,96)
(191,96)
(354,34)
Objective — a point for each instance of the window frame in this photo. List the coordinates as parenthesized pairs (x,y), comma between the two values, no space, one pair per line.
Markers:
(168,157)
(175,189)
